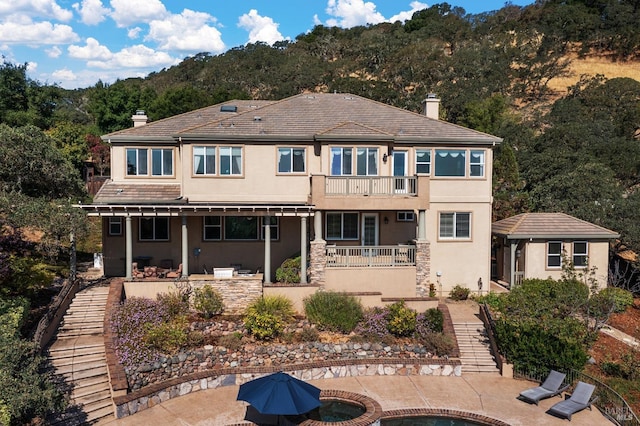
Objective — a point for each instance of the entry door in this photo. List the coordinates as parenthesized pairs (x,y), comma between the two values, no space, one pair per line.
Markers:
(400,169)
(369,229)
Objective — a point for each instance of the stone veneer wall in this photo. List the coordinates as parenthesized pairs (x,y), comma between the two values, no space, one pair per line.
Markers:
(318,256)
(423,267)
(152,395)
(237,293)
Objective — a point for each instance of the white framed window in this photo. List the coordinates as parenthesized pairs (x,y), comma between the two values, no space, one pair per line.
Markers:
(367,161)
(450,162)
(212,228)
(241,228)
(341,161)
(423,161)
(455,226)
(554,254)
(476,164)
(580,254)
(291,160)
(230,160)
(341,226)
(204,160)
(275,227)
(137,162)
(154,228)
(162,162)
(407,216)
(115,225)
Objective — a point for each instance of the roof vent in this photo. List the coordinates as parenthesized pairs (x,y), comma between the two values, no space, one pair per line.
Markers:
(228,108)
(257,118)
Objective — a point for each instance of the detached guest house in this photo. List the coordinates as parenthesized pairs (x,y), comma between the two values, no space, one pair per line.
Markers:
(376,199)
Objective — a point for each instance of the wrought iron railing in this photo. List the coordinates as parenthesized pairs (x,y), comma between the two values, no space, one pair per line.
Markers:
(370,256)
(371,185)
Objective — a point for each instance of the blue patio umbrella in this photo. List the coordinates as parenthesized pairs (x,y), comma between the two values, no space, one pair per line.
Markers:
(280,394)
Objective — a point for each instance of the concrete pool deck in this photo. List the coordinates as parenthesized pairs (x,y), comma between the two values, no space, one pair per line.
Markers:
(488,395)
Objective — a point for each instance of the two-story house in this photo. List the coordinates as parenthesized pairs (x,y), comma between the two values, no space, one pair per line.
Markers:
(377,198)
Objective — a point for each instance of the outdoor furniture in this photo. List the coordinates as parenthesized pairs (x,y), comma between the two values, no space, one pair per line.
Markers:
(174,274)
(552,386)
(150,271)
(578,401)
(135,272)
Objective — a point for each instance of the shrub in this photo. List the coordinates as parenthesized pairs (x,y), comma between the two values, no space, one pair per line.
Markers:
(309,334)
(333,311)
(459,293)
(432,290)
(619,297)
(267,316)
(431,321)
(495,301)
(437,343)
(373,324)
(289,271)
(168,337)
(232,341)
(401,320)
(174,303)
(208,301)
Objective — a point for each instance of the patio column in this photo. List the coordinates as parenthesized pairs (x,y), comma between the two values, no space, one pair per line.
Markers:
(303,249)
(317,226)
(512,263)
(422,225)
(128,247)
(267,249)
(185,247)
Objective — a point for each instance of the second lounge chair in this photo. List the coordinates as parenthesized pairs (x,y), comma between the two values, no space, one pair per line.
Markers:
(552,386)
(579,400)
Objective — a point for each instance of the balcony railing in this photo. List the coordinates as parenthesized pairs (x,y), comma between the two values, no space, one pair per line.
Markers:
(371,185)
(370,256)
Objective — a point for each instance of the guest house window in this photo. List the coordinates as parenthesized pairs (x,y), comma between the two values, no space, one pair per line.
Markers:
(423,161)
(580,254)
(291,160)
(455,226)
(342,226)
(204,160)
(154,228)
(115,226)
(554,254)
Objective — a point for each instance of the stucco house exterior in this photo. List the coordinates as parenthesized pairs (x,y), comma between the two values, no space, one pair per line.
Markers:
(377,198)
(536,245)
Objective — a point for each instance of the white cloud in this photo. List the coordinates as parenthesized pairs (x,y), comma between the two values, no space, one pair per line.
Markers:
(48,9)
(92,12)
(406,15)
(54,52)
(32,66)
(92,50)
(134,32)
(351,13)
(21,30)
(260,28)
(187,32)
(129,12)
(138,56)
(64,74)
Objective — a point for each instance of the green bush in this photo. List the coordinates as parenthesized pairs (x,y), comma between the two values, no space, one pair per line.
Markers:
(174,303)
(431,321)
(401,320)
(459,293)
(168,337)
(309,334)
(208,301)
(232,341)
(620,298)
(333,311)
(437,343)
(267,316)
(495,301)
(289,271)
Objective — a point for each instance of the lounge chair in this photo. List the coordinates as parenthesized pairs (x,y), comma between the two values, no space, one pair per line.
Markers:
(578,401)
(552,386)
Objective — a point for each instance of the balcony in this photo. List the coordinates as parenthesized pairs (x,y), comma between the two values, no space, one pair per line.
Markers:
(370,256)
(370,192)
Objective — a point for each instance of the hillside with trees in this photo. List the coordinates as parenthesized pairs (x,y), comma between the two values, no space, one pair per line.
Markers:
(573,148)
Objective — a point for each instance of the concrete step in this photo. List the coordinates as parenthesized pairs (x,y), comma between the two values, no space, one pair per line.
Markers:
(97,388)
(84,374)
(90,382)
(76,367)
(79,359)
(96,397)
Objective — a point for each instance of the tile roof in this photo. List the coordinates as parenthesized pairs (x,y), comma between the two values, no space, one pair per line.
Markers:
(549,225)
(137,193)
(306,117)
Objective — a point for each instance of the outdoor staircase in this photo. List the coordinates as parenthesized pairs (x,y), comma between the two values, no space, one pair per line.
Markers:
(77,357)
(475,354)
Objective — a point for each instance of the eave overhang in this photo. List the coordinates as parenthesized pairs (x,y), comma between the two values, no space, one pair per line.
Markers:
(567,236)
(196,209)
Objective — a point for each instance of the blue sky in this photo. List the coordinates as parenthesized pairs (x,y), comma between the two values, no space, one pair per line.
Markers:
(75,43)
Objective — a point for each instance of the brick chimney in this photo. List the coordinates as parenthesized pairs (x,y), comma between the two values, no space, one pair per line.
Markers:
(431,106)
(140,118)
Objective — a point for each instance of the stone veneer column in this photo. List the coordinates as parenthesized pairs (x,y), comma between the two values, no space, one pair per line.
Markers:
(318,261)
(423,267)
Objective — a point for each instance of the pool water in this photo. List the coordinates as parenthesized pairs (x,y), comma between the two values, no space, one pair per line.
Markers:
(427,421)
(336,411)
